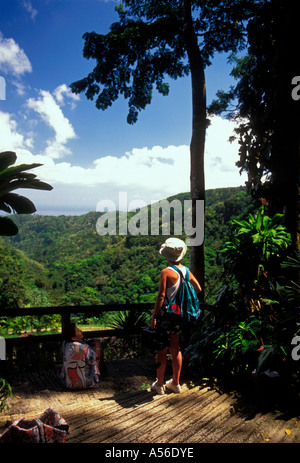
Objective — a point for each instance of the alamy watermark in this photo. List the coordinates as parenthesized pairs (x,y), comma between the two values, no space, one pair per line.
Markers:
(296,350)
(2,88)
(296,90)
(164,218)
(2,349)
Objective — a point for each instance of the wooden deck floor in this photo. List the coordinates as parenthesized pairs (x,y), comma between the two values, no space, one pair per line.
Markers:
(124,410)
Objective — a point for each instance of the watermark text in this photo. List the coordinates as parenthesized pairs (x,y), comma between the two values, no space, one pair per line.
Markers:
(2,349)
(296,350)
(296,89)
(161,218)
(2,88)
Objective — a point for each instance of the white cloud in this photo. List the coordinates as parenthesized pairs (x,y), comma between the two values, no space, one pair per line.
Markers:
(63,91)
(153,168)
(20,88)
(29,8)
(144,169)
(2,88)
(221,155)
(52,115)
(12,58)
(10,138)
(149,174)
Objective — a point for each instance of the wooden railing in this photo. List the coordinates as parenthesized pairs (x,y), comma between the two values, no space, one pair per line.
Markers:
(65,312)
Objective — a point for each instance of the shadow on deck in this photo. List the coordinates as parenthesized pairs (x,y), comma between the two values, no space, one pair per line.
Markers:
(124,410)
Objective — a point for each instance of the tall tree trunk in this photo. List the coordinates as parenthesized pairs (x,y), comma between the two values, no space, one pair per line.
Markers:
(197,178)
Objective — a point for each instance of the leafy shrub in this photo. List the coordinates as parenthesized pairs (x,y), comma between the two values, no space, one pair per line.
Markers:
(129,319)
(256,314)
(5,392)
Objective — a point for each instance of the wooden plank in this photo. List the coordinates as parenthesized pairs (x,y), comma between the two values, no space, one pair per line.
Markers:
(130,423)
(161,427)
(202,420)
(198,414)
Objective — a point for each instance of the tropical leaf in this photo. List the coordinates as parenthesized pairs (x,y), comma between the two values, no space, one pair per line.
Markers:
(129,319)
(12,178)
(18,204)
(259,221)
(10,172)
(7,227)
(24,183)
(7,158)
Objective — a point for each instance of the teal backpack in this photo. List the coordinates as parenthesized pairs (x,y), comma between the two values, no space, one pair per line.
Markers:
(186,302)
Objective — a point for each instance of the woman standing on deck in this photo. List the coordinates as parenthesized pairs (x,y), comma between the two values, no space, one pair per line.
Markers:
(173,250)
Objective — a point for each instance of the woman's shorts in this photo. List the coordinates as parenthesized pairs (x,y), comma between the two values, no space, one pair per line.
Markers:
(169,323)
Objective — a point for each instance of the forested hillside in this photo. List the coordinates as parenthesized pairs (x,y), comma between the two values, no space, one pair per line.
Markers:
(63,260)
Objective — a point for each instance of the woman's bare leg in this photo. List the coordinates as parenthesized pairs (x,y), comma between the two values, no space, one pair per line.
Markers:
(176,354)
(161,366)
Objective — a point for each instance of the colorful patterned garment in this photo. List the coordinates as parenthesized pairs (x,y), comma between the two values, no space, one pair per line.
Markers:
(50,427)
(80,369)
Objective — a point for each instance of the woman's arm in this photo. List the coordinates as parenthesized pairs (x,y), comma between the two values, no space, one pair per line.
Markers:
(160,297)
(195,283)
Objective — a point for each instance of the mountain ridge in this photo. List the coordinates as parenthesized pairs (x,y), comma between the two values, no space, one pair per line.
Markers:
(82,267)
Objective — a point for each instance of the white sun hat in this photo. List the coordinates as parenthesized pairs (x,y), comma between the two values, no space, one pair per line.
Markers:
(173,249)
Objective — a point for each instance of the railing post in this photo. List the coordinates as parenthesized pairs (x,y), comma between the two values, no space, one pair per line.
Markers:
(65,321)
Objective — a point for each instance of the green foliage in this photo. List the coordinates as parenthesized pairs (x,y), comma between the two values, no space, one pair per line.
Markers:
(23,281)
(262,102)
(237,345)
(28,325)
(268,236)
(256,313)
(63,261)
(5,392)
(129,319)
(12,178)
(71,264)
(257,246)
(152,42)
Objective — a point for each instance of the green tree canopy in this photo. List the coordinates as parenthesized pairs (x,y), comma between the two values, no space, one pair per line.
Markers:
(268,110)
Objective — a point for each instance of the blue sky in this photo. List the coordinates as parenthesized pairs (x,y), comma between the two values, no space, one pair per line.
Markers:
(89,155)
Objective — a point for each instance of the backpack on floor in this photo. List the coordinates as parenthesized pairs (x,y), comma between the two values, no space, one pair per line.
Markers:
(186,302)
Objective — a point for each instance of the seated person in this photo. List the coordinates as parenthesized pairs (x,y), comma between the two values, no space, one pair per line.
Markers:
(81,360)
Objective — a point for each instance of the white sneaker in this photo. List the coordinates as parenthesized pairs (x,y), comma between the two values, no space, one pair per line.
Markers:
(158,389)
(173,388)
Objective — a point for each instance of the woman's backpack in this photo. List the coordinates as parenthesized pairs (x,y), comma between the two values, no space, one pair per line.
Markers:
(186,302)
